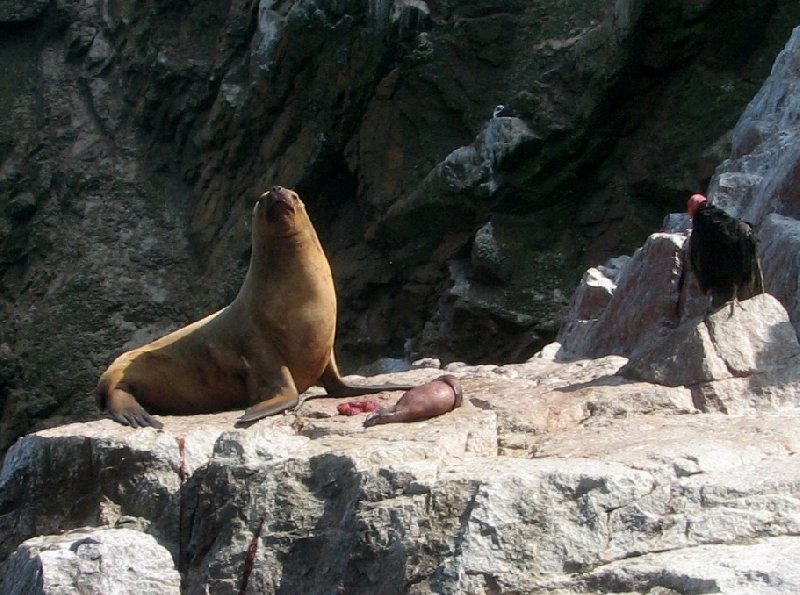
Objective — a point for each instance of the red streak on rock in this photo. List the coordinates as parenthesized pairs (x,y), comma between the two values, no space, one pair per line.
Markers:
(249,558)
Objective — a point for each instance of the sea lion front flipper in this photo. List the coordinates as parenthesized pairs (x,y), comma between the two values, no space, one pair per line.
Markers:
(122,407)
(269,407)
(381,416)
(269,397)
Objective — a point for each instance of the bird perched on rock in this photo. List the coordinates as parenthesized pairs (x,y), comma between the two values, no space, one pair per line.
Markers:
(722,254)
(502,111)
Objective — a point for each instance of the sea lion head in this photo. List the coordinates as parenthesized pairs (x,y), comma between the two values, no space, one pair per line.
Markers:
(279,212)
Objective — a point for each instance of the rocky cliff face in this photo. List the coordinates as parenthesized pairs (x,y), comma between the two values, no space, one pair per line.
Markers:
(137,134)
(758,182)
(653,450)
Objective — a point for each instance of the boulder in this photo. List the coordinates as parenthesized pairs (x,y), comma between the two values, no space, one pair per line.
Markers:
(98,561)
(749,338)
(643,301)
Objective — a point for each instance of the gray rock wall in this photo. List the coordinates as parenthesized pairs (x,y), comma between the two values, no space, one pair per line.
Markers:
(757,183)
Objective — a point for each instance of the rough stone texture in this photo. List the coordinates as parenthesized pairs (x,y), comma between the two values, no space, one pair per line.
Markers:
(779,249)
(760,176)
(642,301)
(757,183)
(765,567)
(553,476)
(109,561)
(759,180)
(756,339)
(137,134)
(15,11)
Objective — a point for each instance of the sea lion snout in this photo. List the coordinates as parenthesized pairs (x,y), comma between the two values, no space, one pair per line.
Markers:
(280,202)
(279,193)
(277,190)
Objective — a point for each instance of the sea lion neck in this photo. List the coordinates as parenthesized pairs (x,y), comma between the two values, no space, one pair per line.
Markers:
(294,237)
(278,255)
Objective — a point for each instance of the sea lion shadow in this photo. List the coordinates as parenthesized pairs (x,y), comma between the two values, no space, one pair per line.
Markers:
(243,425)
(607,380)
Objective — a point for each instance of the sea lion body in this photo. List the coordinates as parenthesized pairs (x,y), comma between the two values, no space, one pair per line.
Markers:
(422,402)
(273,342)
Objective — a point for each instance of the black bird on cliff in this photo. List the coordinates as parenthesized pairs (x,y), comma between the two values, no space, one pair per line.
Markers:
(722,254)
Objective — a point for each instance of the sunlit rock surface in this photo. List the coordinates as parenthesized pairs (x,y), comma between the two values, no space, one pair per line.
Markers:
(553,475)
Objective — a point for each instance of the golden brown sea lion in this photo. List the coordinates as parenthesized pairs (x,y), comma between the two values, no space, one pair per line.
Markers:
(273,342)
(422,402)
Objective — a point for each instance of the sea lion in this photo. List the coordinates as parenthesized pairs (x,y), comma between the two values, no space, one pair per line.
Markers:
(422,402)
(262,351)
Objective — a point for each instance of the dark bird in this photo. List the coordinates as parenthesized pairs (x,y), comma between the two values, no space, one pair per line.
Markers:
(722,254)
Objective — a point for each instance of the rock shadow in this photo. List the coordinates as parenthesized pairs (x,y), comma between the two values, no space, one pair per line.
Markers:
(607,380)
(342,552)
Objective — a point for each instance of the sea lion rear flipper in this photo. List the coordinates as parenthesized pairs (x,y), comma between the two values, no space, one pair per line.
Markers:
(455,384)
(122,407)
(334,386)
